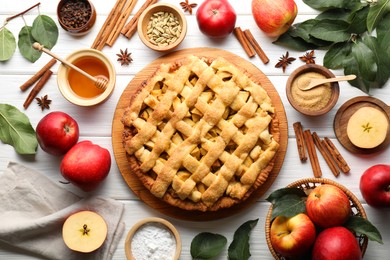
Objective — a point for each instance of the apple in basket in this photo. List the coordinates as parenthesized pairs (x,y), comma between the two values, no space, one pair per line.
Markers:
(375,186)
(274,17)
(336,243)
(294,236)
(86,165)
(57,132)
(328,206)
(84,231)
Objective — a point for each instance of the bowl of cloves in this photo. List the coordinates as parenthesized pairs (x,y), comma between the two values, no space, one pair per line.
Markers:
(76,16)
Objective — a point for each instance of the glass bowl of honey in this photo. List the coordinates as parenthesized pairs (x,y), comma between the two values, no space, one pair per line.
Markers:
(77,88)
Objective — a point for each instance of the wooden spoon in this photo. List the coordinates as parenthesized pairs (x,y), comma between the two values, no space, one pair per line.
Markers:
(306,83)
(100,81)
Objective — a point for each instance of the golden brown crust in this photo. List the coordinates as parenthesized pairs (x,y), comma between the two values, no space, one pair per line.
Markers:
(187,163)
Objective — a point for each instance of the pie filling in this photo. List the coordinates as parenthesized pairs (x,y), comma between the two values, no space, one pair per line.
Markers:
(200,131)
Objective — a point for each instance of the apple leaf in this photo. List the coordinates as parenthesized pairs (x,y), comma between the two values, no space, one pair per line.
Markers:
(331,30)
(16,130)
(278,194)
(376,12)
(239,248)
(362,226)
(337,54)
(207,245)
(7,44)
(25,44)
(287,202)
(330,4)
(45,31)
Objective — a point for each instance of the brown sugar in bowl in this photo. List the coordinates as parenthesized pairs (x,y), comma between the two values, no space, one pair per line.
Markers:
(304,108)
(73,18)
(144,19)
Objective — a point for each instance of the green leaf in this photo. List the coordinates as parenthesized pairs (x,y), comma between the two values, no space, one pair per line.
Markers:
(383,28)
(278,194)
(7,44)
(16,130)
(206,245)
(358,23)
(239,248)
(295,43)
(330,4)
(376,12)
(303,30)
(289,205)
(335,14)
(365,58)
(383,69)
(25,44)
(333,31)
(45,31)
(337,54)
(362,226)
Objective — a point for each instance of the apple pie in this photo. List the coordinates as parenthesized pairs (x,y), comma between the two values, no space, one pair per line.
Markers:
(200,134)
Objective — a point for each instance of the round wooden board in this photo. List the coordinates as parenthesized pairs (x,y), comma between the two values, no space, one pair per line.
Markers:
(120,154)
(346,111)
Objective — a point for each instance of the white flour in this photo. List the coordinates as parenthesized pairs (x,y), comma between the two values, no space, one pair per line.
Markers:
(153,241)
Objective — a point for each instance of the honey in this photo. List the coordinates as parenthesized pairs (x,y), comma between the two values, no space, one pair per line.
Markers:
(81,85)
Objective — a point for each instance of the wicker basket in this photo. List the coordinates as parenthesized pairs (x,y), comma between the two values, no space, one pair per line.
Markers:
(310,183)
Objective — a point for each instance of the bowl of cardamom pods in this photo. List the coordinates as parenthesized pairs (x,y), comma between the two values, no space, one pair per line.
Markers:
(162,27)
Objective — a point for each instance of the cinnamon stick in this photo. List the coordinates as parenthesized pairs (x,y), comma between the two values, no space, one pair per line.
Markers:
(121,22)
(37,75)
(131,27)
(300,141)
(108,25)
(337,157)
(249,36)
(243,41)
(34,92)
(315,165)
(323,151)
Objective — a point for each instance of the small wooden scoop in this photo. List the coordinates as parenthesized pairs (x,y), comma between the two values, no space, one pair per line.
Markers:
(306,83)
(100,81)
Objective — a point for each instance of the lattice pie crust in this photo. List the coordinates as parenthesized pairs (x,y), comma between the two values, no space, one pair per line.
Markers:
(200,134)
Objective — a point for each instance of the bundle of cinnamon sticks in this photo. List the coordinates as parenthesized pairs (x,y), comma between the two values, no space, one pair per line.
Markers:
(249,43)
(307,142)
(114,24)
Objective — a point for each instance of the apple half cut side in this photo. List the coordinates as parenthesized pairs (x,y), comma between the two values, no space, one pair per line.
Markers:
(84,231)
(367,128)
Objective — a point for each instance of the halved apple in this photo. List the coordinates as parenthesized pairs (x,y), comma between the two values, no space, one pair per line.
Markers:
(367,128)
(84,231)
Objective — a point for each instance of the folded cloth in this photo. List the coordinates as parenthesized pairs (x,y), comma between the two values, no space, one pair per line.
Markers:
(33,210)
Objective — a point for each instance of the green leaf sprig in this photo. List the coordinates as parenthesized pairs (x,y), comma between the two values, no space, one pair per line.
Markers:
(16,130)
(289,202)
(43,30)
(344,28)
(207,245)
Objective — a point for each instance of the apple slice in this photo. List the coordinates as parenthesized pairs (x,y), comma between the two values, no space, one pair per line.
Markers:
(84,231)
(367,127)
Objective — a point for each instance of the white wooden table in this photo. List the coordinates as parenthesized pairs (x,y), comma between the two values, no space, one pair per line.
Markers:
(95,123)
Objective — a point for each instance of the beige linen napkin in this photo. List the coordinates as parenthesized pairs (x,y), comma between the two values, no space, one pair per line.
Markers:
(33,210)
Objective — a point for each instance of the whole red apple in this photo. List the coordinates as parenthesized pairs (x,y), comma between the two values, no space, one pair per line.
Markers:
(292,237)
(375,186)
(336,243)
(216,18)
(86,165)
(328,206)
(57,132)
(274,17)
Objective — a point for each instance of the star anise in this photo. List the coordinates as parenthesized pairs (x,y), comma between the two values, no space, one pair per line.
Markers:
(309,57)
(284,61)
(124,57)
(44,102)
(187,7)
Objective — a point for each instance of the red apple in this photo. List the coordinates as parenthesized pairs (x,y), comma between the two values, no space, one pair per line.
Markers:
(57,132)
(336,243)
(375,185)
(216,18)
(292,237)
(274,17)
(86,165)
(328,206)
